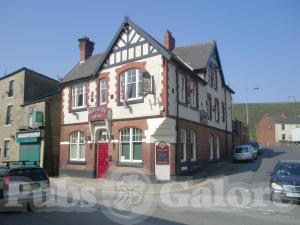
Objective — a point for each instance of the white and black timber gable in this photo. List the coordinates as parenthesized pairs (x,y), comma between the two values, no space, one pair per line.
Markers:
(131,43)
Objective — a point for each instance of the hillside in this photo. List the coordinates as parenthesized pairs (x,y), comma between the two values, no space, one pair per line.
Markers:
(257,110)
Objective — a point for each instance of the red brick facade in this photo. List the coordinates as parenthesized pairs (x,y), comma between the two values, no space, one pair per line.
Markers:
(265,131)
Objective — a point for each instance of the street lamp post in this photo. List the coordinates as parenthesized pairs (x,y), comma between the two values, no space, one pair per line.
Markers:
(247,112)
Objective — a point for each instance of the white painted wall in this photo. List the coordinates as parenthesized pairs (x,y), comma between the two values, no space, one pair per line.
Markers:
(287,131)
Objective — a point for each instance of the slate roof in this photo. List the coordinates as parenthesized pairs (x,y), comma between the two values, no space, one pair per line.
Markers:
(83,70)
(196,56)
(286,119)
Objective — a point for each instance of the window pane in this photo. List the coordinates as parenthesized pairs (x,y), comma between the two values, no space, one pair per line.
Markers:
(73,151)
(82,151)
(137,151)
(132,90)
(79,100)
(125,151)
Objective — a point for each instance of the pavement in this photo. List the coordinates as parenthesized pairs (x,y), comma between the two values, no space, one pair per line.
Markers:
(232,194)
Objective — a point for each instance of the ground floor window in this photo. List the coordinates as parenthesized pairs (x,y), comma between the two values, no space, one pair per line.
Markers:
(6,149)
(283,137)
(77,146)
(131,145)
(193,145)
(183,145)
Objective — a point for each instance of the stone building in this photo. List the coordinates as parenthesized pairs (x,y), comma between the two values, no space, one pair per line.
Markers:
(146,107)
(29,118)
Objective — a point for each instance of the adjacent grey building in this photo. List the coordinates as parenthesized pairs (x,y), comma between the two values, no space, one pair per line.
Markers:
(30,118)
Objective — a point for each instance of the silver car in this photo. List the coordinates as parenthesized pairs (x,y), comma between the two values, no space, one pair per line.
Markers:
(244,153)
(23,184)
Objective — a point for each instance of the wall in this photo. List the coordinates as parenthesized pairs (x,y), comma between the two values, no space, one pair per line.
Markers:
(287,131)
(265,131)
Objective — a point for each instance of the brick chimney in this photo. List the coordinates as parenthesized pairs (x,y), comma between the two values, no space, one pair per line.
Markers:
(169,40)
(86,48)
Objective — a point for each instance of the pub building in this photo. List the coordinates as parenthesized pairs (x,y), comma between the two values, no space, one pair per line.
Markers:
(144,107)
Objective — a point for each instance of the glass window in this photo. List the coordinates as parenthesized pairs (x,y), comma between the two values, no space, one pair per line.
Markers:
(77,146)
(31,114)
(131,85)
(283,137)
(217,110)
(193,94)
(11,89)
(183,145)
(223,111)
(209,108)
(181,88)
(8,115)
(103,91)
(6,149)
(193,145)
(282,126)
(131,145)
(78,96)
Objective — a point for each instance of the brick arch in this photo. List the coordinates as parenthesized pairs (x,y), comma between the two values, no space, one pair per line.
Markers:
(122,69)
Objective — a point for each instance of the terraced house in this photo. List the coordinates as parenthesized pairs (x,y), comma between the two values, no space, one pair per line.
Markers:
(146,107)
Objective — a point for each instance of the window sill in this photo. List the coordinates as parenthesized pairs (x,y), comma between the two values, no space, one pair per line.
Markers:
(194,108)
(182,103)
(7,125)
(10,97)
(131,102)
(77,162)
(130,164)
(78,110)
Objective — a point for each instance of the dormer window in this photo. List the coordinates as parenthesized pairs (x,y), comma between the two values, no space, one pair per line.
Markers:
(78,96)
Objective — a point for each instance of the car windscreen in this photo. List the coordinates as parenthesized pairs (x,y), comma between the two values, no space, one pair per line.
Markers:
(242,150)
(254,144)
(27,174)
(288,170)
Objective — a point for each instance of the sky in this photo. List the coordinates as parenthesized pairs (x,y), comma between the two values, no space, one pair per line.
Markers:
(258,41)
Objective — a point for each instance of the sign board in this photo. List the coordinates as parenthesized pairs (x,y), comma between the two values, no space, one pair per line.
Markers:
(162,153)
(34,134)
(98,113)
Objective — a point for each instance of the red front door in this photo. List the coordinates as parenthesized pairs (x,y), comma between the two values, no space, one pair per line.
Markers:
(102,160)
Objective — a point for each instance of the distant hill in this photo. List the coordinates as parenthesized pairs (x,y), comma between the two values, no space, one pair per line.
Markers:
(257,110)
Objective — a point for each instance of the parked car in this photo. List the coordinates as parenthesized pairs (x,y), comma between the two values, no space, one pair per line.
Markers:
(256,146)
(285,181)
(244,153)
(24,183)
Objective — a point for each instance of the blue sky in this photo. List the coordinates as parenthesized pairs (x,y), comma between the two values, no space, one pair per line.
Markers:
(258,41)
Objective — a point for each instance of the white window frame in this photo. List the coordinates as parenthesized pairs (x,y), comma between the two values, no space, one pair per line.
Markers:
(193,94)
(283,135)
(138,83)
(181,88)
(77,139)
(183,144)
(75,95)
(102,88)
(131,141)
(193,145)
(283,127)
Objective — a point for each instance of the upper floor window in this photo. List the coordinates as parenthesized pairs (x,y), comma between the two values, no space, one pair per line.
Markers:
(10,92)
(209,107)
(183,145)
(217,110)
(103,91)
(78,96)
(193,145)
(282,126)
(131,145)
(31,114)
(193,94)
(223,112)
(8,115)
(181,88)
(131,85)
(77,146)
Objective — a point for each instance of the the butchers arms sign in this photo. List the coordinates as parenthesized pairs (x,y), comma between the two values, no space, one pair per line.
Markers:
(98,113)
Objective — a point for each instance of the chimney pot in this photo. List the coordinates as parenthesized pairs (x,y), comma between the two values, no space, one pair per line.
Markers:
(86,48)
(169,40)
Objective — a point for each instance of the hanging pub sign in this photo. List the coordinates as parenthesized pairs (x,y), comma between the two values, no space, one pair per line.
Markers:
(98,113)
(162,153)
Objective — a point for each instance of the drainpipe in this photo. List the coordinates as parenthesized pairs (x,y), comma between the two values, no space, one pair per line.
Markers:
(226,122)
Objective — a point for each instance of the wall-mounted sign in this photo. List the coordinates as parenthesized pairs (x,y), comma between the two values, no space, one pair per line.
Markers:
(29,134)
(162,153)
(98,113)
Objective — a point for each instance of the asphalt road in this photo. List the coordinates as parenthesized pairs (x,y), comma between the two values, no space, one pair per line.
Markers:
(235,194)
